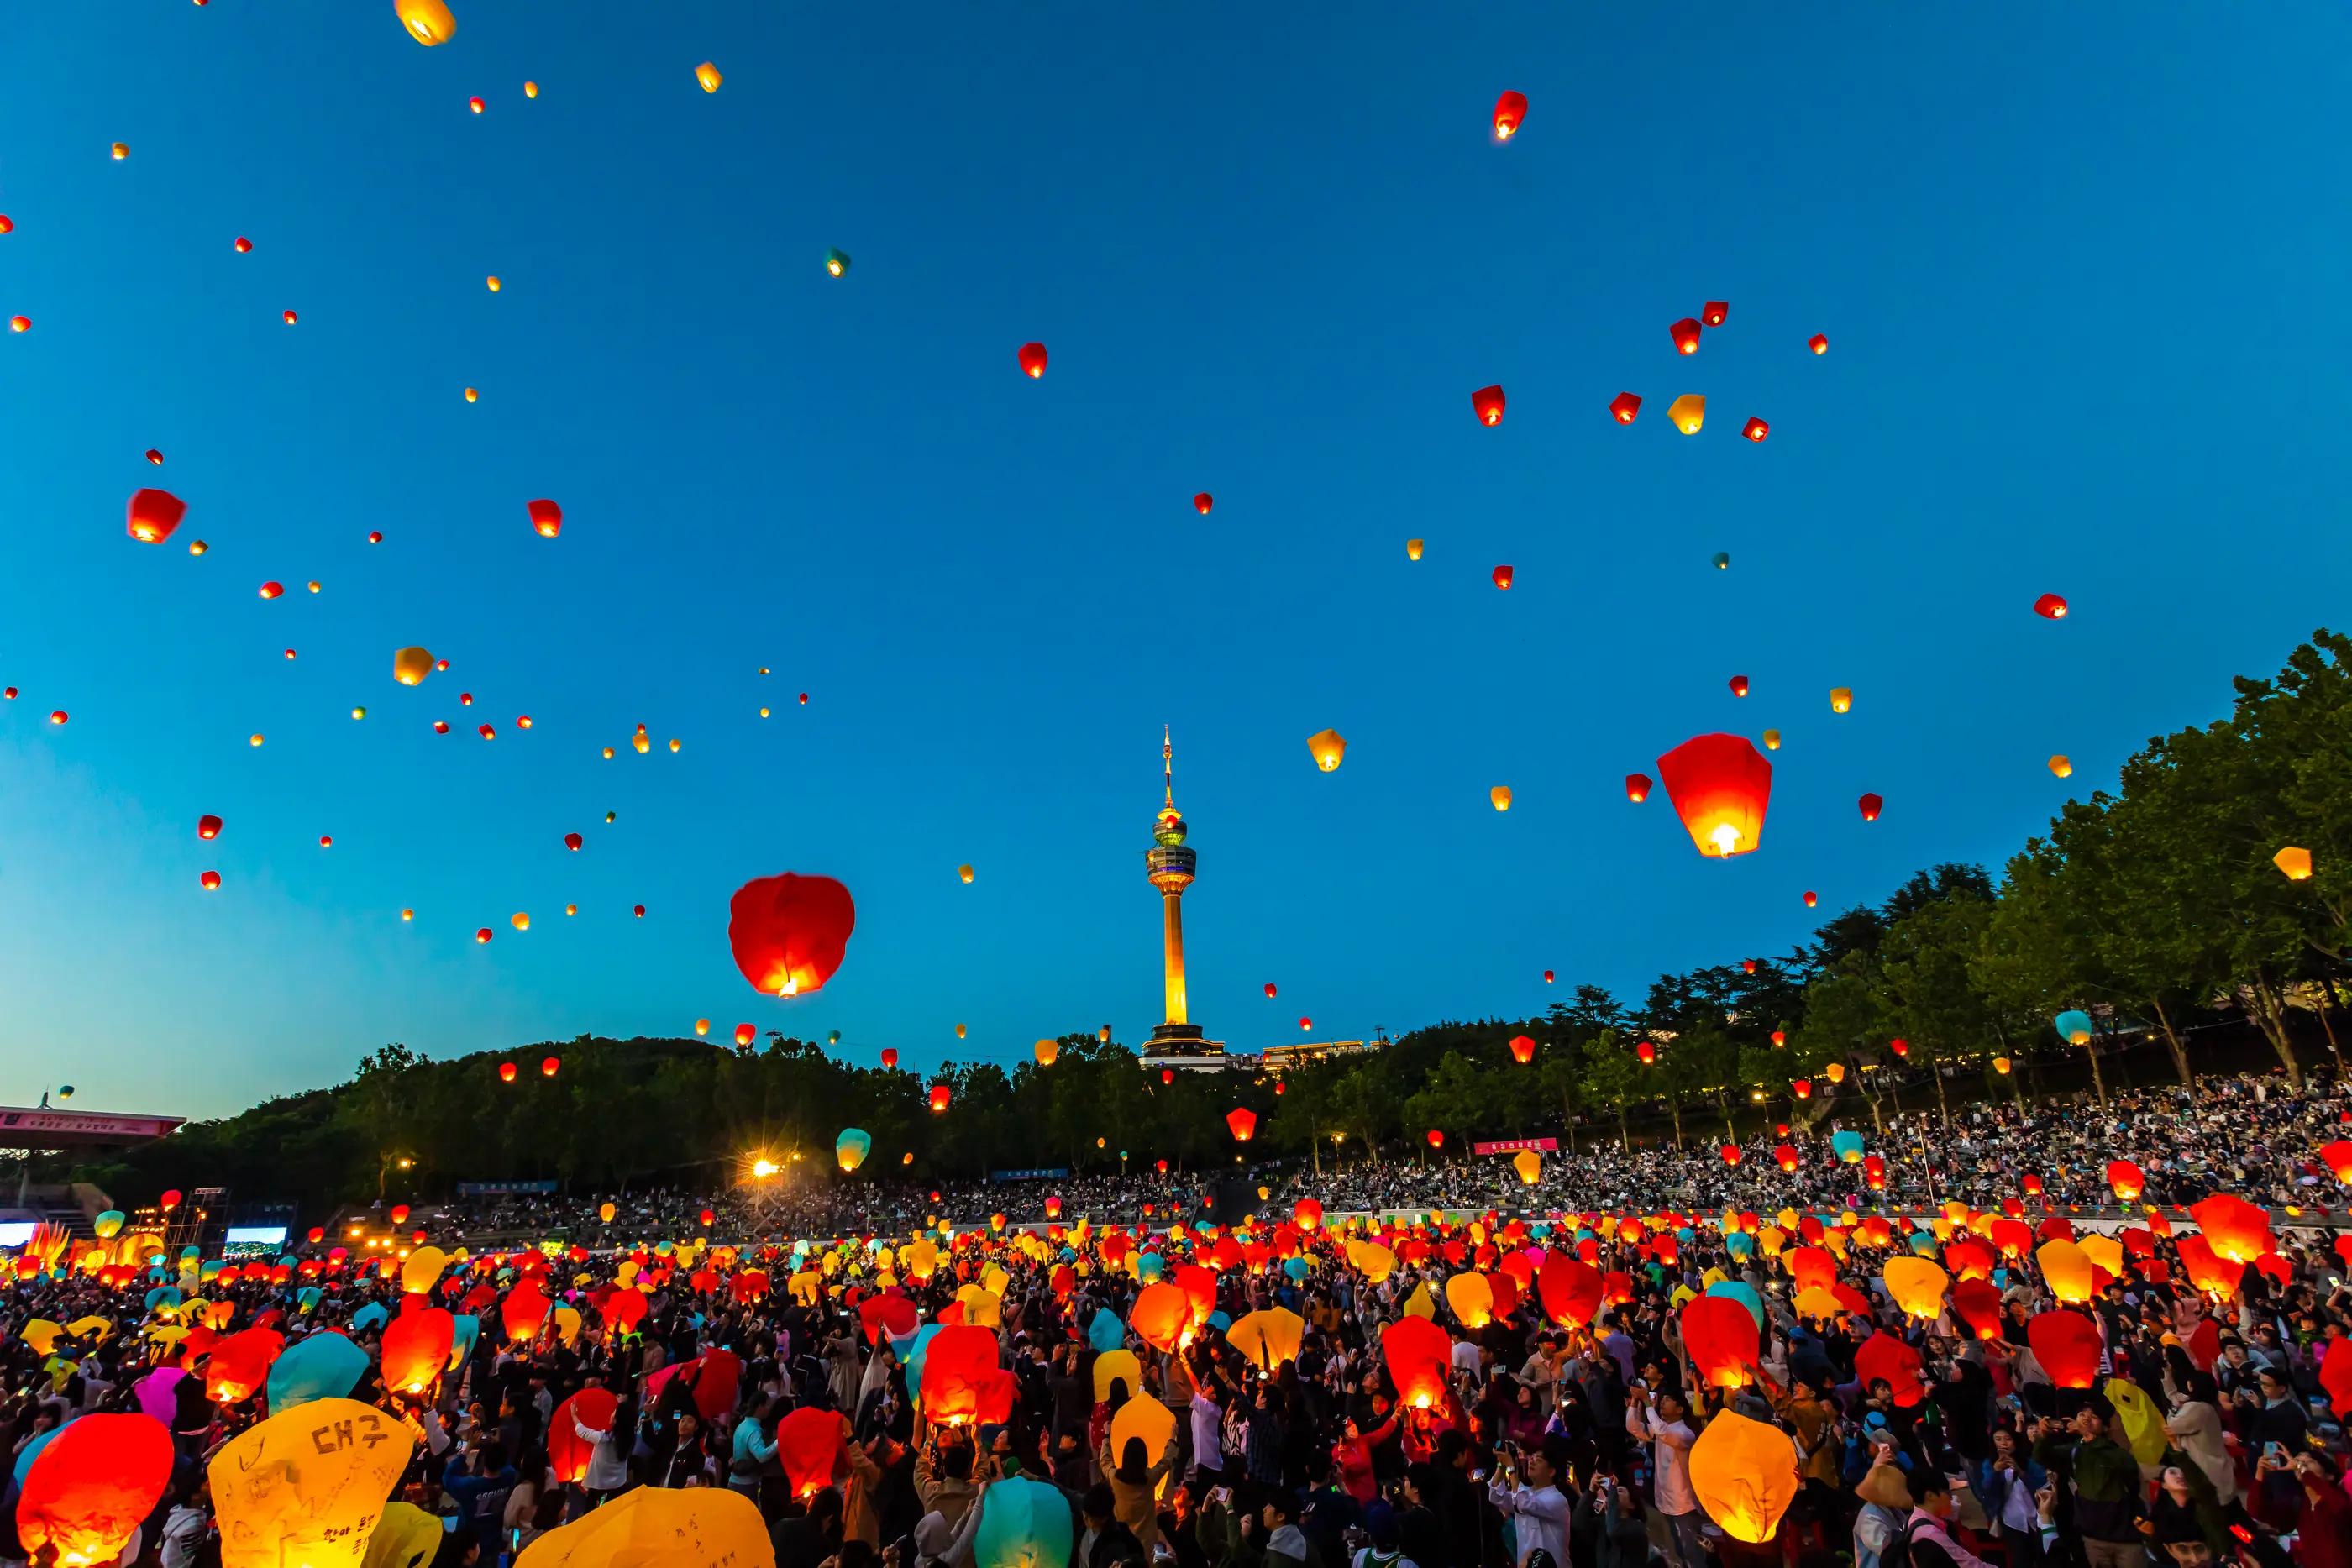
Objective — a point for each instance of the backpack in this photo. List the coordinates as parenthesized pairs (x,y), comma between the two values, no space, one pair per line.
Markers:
(1896,1553)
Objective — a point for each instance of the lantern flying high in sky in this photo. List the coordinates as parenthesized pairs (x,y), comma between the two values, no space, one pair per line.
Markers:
(1720,785)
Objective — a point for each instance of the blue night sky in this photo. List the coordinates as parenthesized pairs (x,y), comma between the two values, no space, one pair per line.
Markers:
(2080,266)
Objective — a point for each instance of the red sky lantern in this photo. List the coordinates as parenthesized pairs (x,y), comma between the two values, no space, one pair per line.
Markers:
(90,1485)
(170,1200)
(1269,987)
(1720,1339)
(2336,1157)
(568,1449)
(889,1058)
(272,590)
(1714,312)
(1900,1046)
(1570,1288)
(1436,1139)
(790,931)
(1748,965)
(1510,113)
(1721,787)
(1811,898)
(1739,686)
(1730,1153)
(1203,502)
(1819,343)
(940,1096)
(2128,1181)
(153,514)
(1546,977)
(1052,1206)
(1241,1122)
(209,881)
(1780,1039)
(1418,1355)
(1167,1075)
(1162,1167)
(1306,1023)
(416,1346)
(400,1214)
(546,519)
(506,1072)
(2050,607)
(1684,333)
(1487,402)
(1871,806)
(1523,1050)
(2236,1230)
(572,841)
(1623,407)
(1033,360)
(1637,788)
(809,1445)
(745,1034)
(1884,1356)
(239,1364)
(1755,429)
(524,1311)
(289,318)
(549,1066)
(1785,1156)
(2066,1344)
(1648,1052)
(956,1368)
(1802,1088)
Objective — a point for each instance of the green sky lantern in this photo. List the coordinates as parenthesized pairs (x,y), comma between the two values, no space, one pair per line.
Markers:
(836,262)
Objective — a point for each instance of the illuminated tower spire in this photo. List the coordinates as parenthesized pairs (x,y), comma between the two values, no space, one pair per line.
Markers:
(1170,866)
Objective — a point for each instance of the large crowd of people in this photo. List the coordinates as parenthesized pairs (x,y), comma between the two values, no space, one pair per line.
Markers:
(1596,1370)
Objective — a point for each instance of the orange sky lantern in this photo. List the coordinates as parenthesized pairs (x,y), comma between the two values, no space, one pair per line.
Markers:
(1487,402)
(1721,786)
(85,1492)
(1523,1050)
(790,931)
(1241,1122)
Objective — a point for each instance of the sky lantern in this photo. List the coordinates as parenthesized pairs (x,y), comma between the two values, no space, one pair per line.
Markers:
(1328,747)
(939,1099)
(208,826)
(1417,1352)
(1755,429)
(1269,988)
(1047,1051)
(851,1148)
(1530,1165)
(836,262)
(2128,1181)
(809,1445)
(88,1484)
(291,318)
(152,515)
(1714,312)
(1684,333)
(1412,549)
(890,1057)
(1785,1156)
(1503,578)
(2237,1230)
(745,1034)
(20,323)
(1623,407)
(209,882)
(1306,1023)
(1739,685)
(1637,788)
(1646,1053)
(2061,766)
(1811,898)
(519,921)
(2067,1345)
(1436,1138)
(2001,1064)
(1835,1073)
(1523,1050)
(506,1072)
(1501,797)
(1487,402)
(239,1364)
(1730,1153)
(1744,1474)
(2050,607)
(1033,360)
(1841,699)
(1720,786)
(2066,1269)
(121,150)
(790,931)
(1779,1036)
(1242,1123)
(1546,977)
(707,75)
(411,665)
(427,21)
(1203,502)
(273,590)
(1510,113)
(1771,740)
(2074,1027)
(546,519)
(1688,414)
(2294,862)
(1720,1338)
(1819,343)
(416,1347)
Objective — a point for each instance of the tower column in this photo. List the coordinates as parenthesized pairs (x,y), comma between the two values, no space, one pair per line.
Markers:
(1172,911)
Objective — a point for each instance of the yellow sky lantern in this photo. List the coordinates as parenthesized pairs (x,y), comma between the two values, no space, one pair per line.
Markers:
(2000,1065)
(1501,796)
(1744,1474)
(1771,740)
(964,871)
(1328,747)
(1688,412)
(707,75)
(1412,549)
(495,284)
(1841,699)
(427,21)
(2296,861)
(1530,1165)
